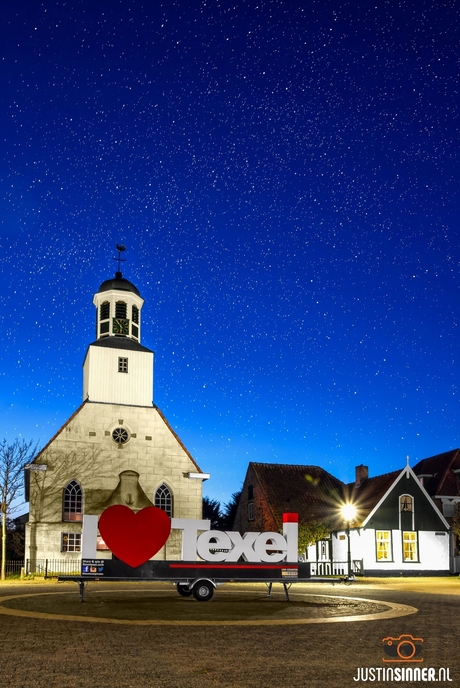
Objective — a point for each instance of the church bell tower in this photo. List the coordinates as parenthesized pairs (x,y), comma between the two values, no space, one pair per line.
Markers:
(117,369)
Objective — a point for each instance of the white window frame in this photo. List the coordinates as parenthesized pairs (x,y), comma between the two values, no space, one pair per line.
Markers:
(383,545)
(410,553)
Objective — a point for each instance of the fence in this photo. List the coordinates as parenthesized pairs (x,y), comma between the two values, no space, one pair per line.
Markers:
(336,568)
(51,568)
(13,567)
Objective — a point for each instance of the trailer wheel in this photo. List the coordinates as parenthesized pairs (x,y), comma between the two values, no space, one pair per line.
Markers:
(184,590)
(203,591)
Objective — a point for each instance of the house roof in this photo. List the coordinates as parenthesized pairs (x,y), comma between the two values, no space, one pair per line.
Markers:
(310,491)
(315,494)
(369,493)
(441,474)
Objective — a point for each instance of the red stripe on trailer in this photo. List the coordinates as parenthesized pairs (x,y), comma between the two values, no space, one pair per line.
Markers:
(199,565)
(290,518)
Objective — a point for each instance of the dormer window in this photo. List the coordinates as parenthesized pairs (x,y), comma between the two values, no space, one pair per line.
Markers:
(406,503)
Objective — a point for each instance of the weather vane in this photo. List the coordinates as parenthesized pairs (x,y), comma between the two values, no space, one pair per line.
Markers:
(120,248)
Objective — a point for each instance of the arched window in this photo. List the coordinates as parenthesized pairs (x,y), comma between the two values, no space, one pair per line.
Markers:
(105,311)
(406,503)
(120,309)
(73,502)
(163,499)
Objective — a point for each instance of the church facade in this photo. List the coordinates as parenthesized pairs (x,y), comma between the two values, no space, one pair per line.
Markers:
(117,448)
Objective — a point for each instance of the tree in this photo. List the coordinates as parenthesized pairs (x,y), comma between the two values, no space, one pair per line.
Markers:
(229,511)
(13,458)
(211,511)
(310,533)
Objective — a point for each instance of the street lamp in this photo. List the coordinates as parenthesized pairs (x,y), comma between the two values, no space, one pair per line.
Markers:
(348,513)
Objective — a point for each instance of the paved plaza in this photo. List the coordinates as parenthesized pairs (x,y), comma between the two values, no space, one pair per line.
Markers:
(39,651)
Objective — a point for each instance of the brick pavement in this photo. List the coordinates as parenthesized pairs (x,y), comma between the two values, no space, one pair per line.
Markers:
(36,653)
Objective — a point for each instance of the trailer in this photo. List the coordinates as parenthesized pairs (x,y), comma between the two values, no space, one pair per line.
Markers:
(208,557)
(197,578)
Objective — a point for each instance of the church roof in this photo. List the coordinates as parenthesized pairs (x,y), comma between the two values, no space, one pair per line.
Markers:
(120,343)
(118,283)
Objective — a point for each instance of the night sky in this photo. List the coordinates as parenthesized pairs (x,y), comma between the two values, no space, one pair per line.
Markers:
(284,176)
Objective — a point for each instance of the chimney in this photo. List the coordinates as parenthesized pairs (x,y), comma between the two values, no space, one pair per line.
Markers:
(361,473)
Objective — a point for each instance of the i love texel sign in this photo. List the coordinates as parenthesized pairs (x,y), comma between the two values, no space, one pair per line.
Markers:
(137,537)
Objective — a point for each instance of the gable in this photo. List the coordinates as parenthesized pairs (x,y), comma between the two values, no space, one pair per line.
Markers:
(387,514)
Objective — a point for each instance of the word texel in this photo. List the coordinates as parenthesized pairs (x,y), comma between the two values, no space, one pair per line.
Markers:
(229,546)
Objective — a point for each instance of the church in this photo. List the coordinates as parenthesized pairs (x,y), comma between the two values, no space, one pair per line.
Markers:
(116,448)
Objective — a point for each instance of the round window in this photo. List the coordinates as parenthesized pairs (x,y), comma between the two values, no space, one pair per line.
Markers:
(120,435)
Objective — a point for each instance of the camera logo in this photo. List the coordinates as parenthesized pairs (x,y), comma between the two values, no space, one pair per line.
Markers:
(406,648)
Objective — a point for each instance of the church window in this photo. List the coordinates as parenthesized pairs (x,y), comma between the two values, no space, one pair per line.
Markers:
(383,544)
(104,328)
(105,311)
(135,331)
(136,315)
(406,503)
(70,542)
(163,499)
(73,502)
(122,365)
(120,309)
(120,435)
(410,548)
(250,511)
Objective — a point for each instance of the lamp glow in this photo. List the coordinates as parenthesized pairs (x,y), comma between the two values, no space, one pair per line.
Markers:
(348,512)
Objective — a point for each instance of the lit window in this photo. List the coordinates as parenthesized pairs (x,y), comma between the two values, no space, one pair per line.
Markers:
(406,503)
(410,552)
(122,365)
(163,499)
(73,502)
(383,543)
(70,542)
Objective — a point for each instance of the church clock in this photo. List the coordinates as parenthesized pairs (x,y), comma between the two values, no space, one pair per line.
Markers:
(120,326)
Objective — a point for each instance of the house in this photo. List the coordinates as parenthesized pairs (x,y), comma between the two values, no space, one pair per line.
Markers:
(272,489)
(440,476)
(116,448)
(396,528)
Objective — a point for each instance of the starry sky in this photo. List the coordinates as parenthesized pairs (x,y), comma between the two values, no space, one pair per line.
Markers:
(284,175)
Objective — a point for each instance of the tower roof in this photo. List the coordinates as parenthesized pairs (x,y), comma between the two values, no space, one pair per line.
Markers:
(119,283)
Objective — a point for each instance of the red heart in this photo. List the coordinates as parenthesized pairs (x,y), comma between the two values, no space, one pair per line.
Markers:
(134,538)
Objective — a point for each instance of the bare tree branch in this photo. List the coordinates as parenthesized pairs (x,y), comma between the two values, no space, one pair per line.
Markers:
(13,459)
